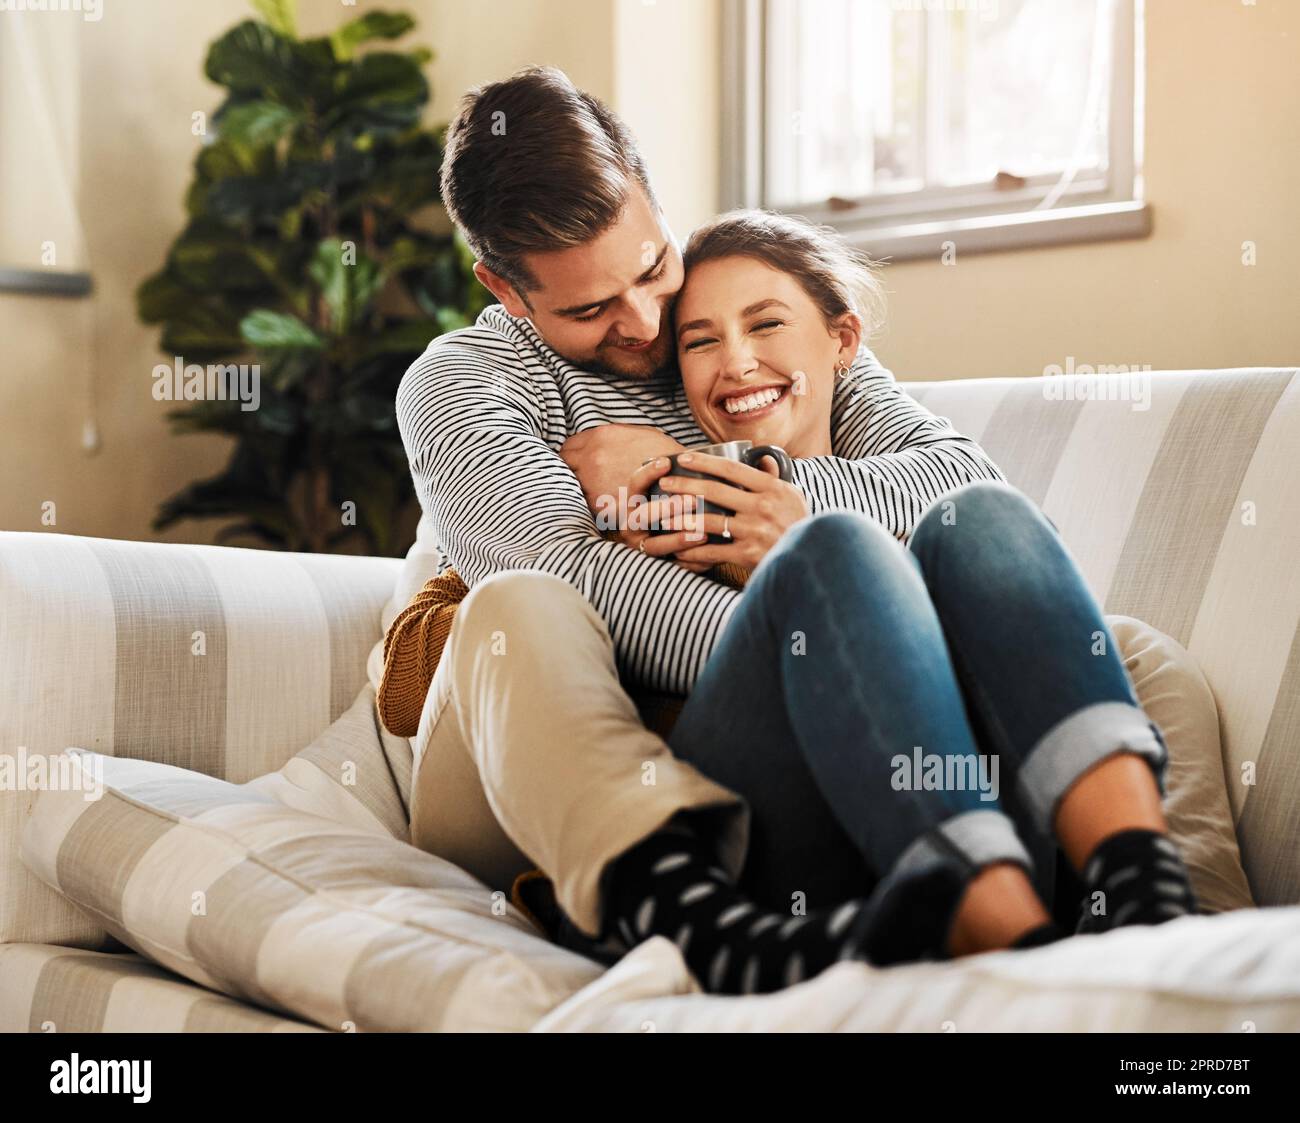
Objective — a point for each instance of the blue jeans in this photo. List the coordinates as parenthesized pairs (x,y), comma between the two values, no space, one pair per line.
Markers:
(891,713)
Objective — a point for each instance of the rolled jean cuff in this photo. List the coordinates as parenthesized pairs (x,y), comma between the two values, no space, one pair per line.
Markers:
(979,839)
(1080,741)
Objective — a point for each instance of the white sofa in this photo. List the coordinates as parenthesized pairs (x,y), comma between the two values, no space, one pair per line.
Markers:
(258,669)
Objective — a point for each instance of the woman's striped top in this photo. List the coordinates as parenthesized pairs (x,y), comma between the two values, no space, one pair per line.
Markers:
(483,414)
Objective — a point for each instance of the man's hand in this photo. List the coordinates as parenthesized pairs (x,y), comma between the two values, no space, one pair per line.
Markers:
(608,457)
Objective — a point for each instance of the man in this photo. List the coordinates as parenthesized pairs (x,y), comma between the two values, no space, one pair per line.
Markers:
(531,751)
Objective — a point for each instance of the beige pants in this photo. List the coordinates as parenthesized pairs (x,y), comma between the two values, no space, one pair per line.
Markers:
(530,754)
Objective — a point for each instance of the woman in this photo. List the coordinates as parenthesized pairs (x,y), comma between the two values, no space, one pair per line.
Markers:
(856,670)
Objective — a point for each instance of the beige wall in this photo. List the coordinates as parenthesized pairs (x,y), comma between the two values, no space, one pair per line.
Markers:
(1223,167)
(65,361)
(484,42)
(667,89)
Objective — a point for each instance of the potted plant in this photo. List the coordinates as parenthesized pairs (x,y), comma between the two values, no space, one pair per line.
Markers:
(302,257)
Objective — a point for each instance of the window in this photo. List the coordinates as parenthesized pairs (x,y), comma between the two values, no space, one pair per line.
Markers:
(42,243)
(910,124)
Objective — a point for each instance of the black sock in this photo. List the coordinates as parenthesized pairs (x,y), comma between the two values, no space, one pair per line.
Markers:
(671,885)
(1135,877)
(1047,933)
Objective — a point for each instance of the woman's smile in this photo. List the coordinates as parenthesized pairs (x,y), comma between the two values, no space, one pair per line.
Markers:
(748,405)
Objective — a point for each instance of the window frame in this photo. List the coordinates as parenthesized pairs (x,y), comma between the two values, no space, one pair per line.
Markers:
(976,219)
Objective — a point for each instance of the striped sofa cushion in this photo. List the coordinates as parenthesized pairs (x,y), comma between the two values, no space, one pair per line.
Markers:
(1183,510)
(336,924)
(221,660)
(49,989)
(355,772)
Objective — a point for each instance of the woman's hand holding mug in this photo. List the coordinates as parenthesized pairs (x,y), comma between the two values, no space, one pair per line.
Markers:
(764,507)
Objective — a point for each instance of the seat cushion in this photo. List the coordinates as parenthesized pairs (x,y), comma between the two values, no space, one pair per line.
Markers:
(49,989)
(333,922)
(1238,972)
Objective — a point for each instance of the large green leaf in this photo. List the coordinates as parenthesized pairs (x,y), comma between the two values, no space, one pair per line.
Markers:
(348,281)
(221,161)
(383,91)
(284,368)
(366,413)
(228,158)
(255,123)
(161,297)
(407,177)
(209,257)
(383,76)
(289,225)
(351,170)
(253,58)
(278,415)
(270,330)
(264,199)
(247,199)
(373,25)
(452,319)
(201,332)
(280,14)
(209,417)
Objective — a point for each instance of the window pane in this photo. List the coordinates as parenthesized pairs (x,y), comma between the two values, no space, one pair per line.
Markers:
(39,176)
(845,99)
(878,97)
(1018,90)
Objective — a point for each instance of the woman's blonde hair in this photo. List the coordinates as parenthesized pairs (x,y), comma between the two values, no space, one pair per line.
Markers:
(837,278)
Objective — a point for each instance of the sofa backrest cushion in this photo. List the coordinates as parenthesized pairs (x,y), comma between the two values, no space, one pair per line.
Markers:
(1178,493)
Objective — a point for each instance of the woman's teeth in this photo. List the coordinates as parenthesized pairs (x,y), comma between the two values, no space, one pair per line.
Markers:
(751,401)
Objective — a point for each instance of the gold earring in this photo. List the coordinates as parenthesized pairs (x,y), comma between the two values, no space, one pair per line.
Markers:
(842,369)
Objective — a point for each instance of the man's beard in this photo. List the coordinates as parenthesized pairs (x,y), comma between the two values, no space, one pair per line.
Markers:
(655,359)
(613,361)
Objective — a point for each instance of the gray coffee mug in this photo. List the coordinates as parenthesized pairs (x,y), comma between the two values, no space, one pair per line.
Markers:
(744,452)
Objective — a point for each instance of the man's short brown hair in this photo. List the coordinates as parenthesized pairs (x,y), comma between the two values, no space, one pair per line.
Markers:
(533,164)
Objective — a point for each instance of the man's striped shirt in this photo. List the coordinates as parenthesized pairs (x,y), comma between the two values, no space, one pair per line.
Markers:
(483,414)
